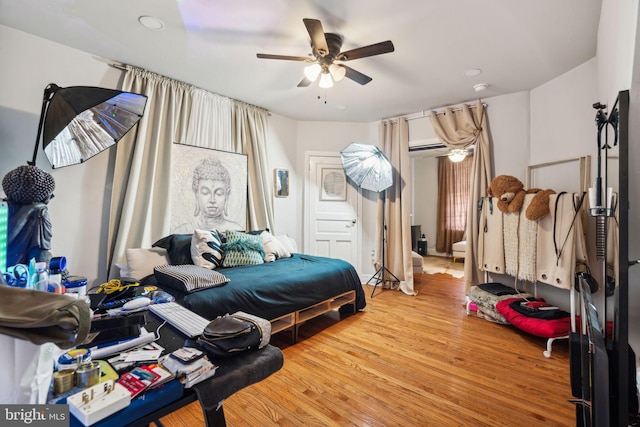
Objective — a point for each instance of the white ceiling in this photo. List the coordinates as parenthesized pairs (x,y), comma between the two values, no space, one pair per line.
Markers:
(212,44)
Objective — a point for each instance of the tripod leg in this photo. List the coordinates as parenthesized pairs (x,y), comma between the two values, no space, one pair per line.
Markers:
(379,276)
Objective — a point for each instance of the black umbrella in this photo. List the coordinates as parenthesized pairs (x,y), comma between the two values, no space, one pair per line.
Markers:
(367,167)
(82,121)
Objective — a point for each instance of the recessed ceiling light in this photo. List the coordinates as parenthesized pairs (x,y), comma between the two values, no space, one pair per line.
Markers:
(340,107)
(151,23)
(480,87)
(472,72)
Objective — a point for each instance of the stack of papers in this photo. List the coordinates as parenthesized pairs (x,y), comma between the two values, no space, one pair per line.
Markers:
(127,360)
(189,373)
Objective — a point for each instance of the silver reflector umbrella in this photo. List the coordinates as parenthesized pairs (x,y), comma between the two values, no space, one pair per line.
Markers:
(367,167)
(370,169)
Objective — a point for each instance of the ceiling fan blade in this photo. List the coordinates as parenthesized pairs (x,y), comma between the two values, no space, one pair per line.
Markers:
(285,57)
(363,52)
(318,40)
(356,76)
(304,82)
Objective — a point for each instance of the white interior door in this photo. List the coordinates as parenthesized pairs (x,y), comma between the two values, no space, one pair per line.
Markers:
(332,226)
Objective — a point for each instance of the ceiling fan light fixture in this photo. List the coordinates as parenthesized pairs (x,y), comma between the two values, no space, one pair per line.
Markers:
(325,81)
(311,72)
(337,72)
(457,155)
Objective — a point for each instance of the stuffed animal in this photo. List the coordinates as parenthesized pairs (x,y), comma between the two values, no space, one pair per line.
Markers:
(539,206)
(510,193)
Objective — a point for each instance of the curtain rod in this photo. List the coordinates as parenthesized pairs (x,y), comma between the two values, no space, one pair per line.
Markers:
(424,113)
(122,67)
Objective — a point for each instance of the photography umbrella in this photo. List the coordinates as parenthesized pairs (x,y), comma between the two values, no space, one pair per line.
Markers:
(78,122)
(367,167)
(370,169)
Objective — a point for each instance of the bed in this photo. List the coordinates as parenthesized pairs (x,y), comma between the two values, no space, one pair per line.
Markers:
(288,291)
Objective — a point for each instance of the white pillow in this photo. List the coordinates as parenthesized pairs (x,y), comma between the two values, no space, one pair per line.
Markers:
(288,243)
(273,248)
(124,270)
(141,261)
(206,249)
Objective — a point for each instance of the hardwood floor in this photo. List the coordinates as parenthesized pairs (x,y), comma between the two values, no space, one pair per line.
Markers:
(406,361)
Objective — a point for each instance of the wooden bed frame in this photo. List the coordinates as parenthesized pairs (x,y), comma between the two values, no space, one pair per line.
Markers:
(292,321)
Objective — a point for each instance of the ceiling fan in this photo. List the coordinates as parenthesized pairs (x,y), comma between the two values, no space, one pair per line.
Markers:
(327,58)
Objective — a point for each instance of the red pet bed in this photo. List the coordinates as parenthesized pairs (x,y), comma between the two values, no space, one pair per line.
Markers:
(549,327)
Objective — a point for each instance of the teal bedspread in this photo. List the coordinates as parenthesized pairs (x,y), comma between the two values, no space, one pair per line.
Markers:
(276,288)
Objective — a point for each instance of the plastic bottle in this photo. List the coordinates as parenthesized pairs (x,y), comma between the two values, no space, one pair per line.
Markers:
(41,281)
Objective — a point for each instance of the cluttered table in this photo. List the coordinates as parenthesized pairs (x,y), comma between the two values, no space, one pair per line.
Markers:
(231,374)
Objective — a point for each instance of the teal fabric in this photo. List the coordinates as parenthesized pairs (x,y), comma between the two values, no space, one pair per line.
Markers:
(242,249)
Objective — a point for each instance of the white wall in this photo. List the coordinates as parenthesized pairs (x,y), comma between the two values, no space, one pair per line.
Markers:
(333,137)
(79,210)
(508,120)
(616,46)
(282,155)
(562,116)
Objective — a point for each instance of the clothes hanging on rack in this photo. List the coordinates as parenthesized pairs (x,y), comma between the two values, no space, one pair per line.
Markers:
(545,250)
(490,244)
(561,242)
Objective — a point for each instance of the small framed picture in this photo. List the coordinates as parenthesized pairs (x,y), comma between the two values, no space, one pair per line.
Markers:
(281,182)
(334,184)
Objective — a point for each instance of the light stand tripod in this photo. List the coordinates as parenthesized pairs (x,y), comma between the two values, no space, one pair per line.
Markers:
(380,274)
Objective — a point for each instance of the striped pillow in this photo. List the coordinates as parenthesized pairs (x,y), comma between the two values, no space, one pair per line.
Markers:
(188,277)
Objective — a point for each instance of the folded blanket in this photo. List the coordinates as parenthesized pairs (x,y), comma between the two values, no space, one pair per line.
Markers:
(497,289)
(538,314)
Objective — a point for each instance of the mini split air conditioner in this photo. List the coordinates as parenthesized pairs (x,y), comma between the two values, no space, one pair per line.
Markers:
(430,144)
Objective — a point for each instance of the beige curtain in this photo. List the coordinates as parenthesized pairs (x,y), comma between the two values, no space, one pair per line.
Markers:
(251,137)
(454,184)
(141,181)
(393,138)
(178,112)
(461,128)
(211,121)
